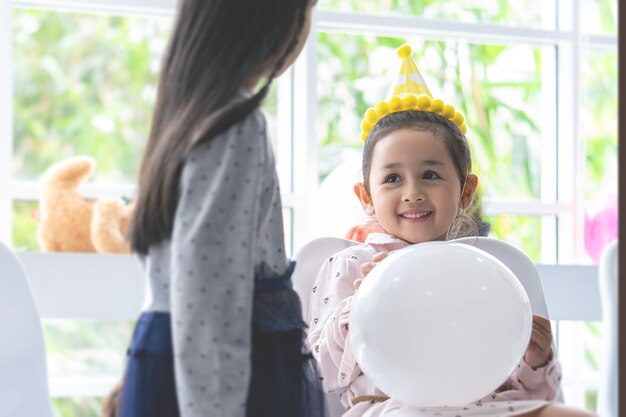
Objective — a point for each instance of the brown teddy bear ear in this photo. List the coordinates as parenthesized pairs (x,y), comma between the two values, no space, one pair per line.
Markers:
(70,172)
(109,225)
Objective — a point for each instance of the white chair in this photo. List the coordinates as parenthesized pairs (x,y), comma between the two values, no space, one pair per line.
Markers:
(519,263)
(311,256)
(607,281)
(23,369)
(309,260)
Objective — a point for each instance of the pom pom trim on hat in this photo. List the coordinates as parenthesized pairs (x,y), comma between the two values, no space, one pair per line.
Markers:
(410,101)
(404,51)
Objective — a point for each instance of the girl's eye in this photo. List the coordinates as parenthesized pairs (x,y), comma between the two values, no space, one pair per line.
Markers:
(430,175)
(392,178)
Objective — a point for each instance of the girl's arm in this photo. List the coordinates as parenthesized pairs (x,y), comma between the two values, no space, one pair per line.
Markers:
(538,373)
(329,313)
(212,271)
(528,383)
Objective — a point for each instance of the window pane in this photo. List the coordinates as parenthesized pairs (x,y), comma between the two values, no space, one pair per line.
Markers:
(527,13)
(499,88)
(77,407)
(84,84)
(580,349)
(599,132)
(86,348)
(84,355)
(599,16)
(527,234)
(599,121)
(25,214)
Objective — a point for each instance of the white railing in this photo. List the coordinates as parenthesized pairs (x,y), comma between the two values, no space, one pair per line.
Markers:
(83,285)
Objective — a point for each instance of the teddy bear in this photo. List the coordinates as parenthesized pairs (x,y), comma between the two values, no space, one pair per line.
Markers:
(70,222)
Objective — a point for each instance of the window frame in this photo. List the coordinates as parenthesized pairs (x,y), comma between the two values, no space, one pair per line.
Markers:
(301,172)
(297,143)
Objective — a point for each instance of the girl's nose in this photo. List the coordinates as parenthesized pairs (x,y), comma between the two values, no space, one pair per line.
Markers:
(417,198)
(412,194)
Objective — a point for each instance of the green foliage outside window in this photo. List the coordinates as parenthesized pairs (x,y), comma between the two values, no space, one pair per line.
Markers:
(84,84)
(599,127)
(25,226)
(77,407)
(499,101)
(85,348)
(599,16)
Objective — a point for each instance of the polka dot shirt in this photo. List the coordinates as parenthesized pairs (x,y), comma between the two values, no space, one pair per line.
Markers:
(228,222)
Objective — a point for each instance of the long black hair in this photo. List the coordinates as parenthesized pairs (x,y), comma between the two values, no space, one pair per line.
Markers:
(216,47)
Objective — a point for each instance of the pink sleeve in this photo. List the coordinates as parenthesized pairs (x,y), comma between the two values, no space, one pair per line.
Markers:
(329,313)
(541,383)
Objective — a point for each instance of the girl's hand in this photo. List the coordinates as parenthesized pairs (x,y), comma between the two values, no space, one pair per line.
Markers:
(366,267)
(539,351)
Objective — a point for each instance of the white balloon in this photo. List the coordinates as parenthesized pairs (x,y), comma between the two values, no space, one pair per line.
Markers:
(439,323)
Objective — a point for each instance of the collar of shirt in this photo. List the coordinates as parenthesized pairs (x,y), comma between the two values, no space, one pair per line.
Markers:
(388,242)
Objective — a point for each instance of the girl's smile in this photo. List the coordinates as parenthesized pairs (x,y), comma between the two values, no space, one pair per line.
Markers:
(415,216)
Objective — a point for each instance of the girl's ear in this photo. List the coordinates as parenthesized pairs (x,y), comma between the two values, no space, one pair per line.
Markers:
(364,198)
(471,184)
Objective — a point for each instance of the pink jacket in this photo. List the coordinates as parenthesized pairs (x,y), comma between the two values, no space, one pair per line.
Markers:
(329,311)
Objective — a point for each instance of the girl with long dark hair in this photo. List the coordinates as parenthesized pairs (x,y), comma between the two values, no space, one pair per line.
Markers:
(222,332)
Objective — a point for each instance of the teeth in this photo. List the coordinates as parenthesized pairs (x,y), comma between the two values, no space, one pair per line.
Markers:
(416,215)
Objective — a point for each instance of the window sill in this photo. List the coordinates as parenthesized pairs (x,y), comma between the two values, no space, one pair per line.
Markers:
(111,287)
(85,285)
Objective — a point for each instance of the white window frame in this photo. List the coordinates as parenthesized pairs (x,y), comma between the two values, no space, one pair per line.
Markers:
(298,153)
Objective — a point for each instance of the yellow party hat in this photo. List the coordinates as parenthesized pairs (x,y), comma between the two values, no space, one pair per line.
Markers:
(410,79)
(409,92)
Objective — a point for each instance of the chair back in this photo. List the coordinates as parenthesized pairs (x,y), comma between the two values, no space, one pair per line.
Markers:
(519,263)
(309,260)
(607,281)
(23,368)
(310,257)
